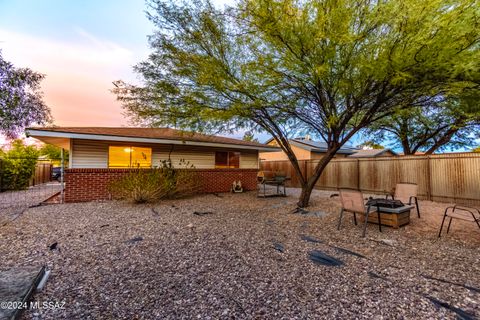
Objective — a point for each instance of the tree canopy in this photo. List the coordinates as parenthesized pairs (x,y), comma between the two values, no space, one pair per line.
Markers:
(52,152)
(21,101)
(328,67)
(18,165)
(445,122)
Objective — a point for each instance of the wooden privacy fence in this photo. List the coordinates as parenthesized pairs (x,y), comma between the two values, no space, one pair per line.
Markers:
(444,177)
(43,173)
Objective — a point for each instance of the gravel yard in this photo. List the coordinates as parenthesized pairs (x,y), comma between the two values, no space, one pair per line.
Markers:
(240,256)
(13,203)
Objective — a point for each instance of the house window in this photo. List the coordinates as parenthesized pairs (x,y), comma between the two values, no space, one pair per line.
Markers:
(227,160)
(129,157)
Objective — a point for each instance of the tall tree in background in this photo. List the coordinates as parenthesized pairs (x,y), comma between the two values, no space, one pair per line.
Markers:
(450,122)
(54,154)
(248,136)
(21,101)
(329,67)
(370,145)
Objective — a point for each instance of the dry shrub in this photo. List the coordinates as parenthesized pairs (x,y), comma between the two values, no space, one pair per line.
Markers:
(187,183)
(151,185)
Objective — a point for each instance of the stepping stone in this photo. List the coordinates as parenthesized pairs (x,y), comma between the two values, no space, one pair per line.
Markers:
(16,286)
(319,257)
(279,247)
(134,240)
(309,239)
(199,213)
(353,253)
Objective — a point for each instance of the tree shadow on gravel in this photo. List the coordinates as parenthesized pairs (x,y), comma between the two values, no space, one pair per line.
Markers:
(461,314)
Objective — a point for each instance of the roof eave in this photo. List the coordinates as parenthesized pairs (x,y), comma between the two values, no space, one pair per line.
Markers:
(61,134)
(322,150)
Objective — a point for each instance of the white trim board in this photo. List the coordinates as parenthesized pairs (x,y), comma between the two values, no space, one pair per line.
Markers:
(43,133)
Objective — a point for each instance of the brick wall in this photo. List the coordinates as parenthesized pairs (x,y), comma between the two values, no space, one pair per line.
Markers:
(220,180)
(92,184)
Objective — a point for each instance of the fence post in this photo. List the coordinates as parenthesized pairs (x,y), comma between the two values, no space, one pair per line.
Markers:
(429,178)
(358,174)
(62,170)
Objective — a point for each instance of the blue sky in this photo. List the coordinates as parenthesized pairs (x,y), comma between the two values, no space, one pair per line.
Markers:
(121,22)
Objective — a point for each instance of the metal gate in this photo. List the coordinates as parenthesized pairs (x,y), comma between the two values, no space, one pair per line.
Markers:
(43,187)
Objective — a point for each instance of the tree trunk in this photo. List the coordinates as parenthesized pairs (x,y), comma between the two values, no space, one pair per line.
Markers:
(406,147)
(307,188)
(305,196)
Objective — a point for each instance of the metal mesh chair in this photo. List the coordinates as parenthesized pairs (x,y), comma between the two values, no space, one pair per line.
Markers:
(461,213)
(406,192)
(352,201)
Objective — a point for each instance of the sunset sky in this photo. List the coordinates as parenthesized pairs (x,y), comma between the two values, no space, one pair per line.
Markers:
(81,47)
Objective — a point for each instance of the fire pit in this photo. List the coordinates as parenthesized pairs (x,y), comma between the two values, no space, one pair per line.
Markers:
(393,213)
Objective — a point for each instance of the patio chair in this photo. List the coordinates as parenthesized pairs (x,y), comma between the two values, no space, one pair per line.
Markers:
(352,201)
(406,192)
(461,213)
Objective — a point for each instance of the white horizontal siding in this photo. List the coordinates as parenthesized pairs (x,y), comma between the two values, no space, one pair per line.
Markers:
(89,154)
(200,158)
(94,154)
(249,160)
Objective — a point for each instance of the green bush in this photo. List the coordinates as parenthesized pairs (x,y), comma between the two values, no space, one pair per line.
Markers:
(151,185)
(17,166)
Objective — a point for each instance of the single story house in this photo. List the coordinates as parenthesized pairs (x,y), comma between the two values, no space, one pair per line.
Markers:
(98,155)
(304,149)
(373,153)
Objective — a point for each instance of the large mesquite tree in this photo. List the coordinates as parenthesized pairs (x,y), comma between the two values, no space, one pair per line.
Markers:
(329,67)
(21,101)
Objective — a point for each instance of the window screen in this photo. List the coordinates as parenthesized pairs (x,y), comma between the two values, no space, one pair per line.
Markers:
(129,157)
(227,159)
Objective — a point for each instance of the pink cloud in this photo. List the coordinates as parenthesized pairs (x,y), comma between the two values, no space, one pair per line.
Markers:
(79,75)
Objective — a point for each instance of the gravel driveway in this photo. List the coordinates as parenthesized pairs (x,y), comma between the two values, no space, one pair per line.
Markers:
(239,256)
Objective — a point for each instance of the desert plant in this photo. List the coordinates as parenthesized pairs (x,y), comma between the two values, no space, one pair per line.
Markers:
(151,185)
(138,186)
(187,181)
(18,166)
